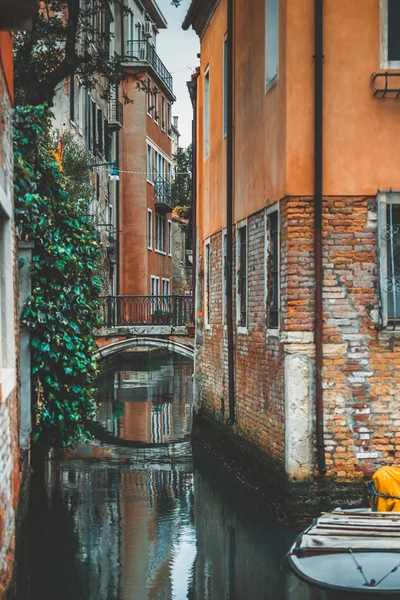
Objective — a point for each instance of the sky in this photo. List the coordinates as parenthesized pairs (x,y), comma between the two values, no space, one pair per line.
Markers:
(178,50)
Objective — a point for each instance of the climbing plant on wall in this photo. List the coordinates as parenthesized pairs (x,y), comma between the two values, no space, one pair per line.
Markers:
(64,307)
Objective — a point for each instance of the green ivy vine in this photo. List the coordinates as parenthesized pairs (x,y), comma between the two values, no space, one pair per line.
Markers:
(64,307)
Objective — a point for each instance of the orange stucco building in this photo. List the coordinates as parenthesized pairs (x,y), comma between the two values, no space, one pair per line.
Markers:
(145,250)
(316,390)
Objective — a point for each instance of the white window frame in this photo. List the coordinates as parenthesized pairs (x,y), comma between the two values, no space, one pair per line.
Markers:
(207,116)
(169,237)
(166,286)
(158,236)
(268,212)
(384,39)
(7,316)
(156,103)
(271,62)
(154,285)
(383,203)
(149,98)
(169,119)
(150,169)
(149,229)
(240,328)
(207,283)
(163,120)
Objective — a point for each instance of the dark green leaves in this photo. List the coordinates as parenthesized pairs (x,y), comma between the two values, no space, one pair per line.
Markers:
(64,307)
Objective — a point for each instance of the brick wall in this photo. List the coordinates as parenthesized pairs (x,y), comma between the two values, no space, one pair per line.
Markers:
(361,378)
(259,360)
(9,401)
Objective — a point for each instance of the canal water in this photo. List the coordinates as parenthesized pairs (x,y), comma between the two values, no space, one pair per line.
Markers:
(137,515)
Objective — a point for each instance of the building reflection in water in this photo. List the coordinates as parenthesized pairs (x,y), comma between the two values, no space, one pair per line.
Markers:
(147,521)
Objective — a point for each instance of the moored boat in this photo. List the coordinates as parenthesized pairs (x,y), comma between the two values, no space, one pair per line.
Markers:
(351,551)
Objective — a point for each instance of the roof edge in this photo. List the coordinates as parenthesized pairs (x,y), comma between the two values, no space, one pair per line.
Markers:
(199,15)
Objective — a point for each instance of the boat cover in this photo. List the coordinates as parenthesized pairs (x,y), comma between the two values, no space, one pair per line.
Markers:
(359,531)
(387,482)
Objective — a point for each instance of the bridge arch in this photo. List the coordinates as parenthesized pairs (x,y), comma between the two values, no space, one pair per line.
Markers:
(145,342)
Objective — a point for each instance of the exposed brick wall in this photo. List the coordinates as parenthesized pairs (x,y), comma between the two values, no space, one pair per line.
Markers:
(259,364)
(9,406)
(361,377)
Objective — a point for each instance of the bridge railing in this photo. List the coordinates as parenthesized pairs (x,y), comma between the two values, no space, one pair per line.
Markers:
(147,310)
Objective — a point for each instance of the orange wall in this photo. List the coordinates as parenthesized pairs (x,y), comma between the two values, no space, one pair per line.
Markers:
(259,119)
(6,58)
(137,263)
(274,131)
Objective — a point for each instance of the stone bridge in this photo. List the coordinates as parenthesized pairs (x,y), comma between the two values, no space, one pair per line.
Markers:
(111,340)
(144,322)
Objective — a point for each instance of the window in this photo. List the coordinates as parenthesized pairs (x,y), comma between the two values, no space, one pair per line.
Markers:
(166,287)
(81,107)
(159,242)
(163,113)
(87,122)
(207,114)
(149,165)
(207,284)
(72,98)
(241,241)
(156,108)
(169,238)
(99,132)
(149,97)
(149,229)
(271,42)
(93,123)
(155,285)
(169,119)
(7,342)
(390,34)
(389,258)
(272,269)
(225,99)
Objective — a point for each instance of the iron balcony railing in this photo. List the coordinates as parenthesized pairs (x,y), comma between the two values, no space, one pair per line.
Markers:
(163,191)
(115,113)
(143,51)
(147,310)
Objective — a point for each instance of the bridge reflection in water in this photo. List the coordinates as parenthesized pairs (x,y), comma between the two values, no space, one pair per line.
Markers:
(136,516)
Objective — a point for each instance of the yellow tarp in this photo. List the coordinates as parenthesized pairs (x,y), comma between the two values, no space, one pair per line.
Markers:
(387,481)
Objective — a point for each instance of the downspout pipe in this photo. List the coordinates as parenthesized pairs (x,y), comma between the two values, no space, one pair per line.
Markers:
(229,214)
(318,148)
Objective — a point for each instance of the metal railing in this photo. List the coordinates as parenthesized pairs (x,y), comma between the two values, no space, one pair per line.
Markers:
(143,51)
(163,191)
(147,310)
(116,112)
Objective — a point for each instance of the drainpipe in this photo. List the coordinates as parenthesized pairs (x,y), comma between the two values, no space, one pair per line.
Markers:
(318,326)
(229,214)
(192,87)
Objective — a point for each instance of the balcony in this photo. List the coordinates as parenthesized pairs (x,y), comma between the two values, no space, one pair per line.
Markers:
(142,52)
(174,310)
(115,115)
(163,201)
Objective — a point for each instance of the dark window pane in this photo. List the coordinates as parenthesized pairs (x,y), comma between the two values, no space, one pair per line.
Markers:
(273,272)
(243,276)
(392,283)
(393,30)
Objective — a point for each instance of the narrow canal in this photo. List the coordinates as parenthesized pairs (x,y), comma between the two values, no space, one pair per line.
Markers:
(137,515)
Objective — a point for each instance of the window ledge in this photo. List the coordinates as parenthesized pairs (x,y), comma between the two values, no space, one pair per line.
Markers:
(242,330)
(160,252)
(8,382)
(273,333)
(149,248)
(207,327)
